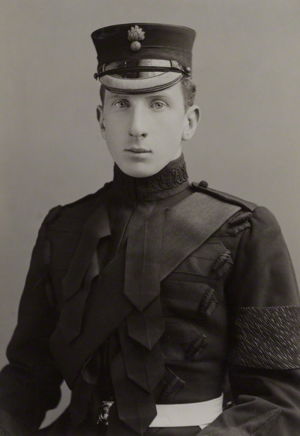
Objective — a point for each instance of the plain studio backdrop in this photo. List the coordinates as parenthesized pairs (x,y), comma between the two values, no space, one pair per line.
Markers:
(247,70)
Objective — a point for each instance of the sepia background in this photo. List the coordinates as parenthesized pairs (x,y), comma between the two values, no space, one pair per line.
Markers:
(247,70)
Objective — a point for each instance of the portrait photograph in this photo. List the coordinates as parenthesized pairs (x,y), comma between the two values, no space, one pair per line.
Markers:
(149,210)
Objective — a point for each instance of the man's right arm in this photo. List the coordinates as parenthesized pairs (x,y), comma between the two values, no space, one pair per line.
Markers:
(30,382)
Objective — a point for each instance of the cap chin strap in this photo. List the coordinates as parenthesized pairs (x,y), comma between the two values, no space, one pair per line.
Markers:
(142,68)
(141,86)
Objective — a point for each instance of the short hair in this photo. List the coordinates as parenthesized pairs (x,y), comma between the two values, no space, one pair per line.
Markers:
(189,92)
(188,89)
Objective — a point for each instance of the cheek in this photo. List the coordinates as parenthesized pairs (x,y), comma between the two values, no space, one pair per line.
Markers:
(174,119)
(171,127)
(115,131)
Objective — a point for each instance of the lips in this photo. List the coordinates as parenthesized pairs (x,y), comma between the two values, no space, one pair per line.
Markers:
(138,150)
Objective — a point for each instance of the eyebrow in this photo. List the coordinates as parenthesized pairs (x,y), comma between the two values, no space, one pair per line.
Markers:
(158,96)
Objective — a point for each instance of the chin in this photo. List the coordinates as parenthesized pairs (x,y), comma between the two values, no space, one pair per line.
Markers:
(141,169)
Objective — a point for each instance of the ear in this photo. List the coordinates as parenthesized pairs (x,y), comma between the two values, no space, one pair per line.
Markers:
(192,118)
(99,112)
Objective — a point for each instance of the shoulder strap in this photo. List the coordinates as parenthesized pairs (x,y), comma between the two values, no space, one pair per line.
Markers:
(223,196)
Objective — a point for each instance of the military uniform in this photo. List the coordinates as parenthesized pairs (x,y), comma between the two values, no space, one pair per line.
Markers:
(169,309)
(227,304)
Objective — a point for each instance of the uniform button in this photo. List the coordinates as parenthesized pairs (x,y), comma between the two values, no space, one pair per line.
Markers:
(203,184)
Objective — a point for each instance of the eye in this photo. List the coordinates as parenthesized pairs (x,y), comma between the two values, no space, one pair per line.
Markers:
(121,103)
(158,105)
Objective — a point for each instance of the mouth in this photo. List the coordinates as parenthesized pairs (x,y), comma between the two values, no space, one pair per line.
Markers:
(138,150)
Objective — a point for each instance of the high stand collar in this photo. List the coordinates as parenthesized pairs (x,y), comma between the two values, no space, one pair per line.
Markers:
(170,180)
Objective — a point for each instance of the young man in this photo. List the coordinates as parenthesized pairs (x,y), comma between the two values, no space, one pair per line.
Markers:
(156,300)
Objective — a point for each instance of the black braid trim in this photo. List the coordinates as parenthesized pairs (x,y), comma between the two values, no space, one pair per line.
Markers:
(267,337)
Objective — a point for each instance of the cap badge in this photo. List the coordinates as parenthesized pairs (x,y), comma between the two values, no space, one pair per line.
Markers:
(135,35)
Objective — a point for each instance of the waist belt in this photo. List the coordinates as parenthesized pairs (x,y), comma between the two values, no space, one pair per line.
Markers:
(188,414)
(173,415)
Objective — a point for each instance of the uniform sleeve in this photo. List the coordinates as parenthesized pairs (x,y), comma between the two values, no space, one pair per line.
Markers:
(264,314)
(30,383)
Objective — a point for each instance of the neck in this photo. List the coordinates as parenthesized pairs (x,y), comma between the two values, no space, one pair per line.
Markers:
(169,181)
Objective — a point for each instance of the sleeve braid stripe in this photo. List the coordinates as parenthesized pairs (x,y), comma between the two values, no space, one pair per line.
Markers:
(267,337)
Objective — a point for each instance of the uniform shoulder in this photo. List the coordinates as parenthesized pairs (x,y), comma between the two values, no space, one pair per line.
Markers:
(73,214)
(223,196)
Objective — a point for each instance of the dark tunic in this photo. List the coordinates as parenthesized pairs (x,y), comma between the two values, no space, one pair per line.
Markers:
(156,291)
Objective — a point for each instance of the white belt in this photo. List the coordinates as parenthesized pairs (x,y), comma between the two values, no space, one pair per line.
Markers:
(188,414)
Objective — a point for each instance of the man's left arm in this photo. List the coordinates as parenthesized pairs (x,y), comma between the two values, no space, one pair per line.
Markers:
(264,362)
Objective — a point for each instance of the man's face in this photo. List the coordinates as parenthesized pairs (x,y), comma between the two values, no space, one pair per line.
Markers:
(144,132)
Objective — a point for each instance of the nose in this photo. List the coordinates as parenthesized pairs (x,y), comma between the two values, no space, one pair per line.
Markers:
(137,126)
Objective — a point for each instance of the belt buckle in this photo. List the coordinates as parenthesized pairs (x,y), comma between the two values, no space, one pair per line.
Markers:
(103,415)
